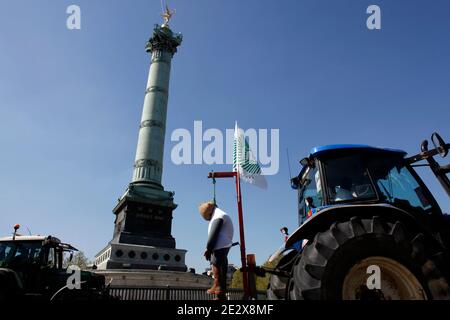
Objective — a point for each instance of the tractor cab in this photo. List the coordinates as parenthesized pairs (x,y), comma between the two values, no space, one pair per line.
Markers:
(34,267)
(337,175)
(360,207)
(35,259)
(22,251)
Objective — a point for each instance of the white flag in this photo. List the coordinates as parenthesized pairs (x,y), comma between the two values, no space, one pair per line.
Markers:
(244,161)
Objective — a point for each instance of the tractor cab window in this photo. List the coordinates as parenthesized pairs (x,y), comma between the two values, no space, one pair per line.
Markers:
(17,253)
(348,180)
(51,258)
(398,186)
(5,252)
(310,193)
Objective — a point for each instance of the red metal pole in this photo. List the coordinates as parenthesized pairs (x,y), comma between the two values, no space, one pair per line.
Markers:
(242,238)
(221,174)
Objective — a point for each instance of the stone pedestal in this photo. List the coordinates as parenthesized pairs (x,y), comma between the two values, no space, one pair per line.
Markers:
(144,217)
(142,234)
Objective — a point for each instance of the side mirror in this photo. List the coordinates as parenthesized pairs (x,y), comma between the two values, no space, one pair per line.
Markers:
(71,257)
(295,182)
(439,144)
(305,162)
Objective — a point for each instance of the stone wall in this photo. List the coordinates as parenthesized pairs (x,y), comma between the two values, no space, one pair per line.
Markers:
(158,278)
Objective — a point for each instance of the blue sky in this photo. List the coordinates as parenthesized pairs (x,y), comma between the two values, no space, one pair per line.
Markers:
(71,101)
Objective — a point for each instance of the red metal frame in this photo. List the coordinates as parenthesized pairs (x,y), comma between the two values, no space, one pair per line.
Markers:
(212,175)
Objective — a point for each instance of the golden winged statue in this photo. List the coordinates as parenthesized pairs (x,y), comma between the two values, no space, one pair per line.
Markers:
(167,15)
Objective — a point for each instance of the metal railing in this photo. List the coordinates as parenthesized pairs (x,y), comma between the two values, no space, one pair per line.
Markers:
(173,293)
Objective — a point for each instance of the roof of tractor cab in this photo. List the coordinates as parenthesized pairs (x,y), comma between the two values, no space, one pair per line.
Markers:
(322,150)
(24,238)
(56,241)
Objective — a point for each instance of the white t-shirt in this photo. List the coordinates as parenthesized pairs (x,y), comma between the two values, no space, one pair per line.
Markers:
(225,238)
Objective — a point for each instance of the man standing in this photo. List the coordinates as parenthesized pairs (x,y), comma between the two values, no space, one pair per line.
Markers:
(220,240)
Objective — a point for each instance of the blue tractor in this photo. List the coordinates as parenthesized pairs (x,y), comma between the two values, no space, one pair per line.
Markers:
(369,228)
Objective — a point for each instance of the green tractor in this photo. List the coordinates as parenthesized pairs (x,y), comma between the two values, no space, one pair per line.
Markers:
(31,268)
(369,228)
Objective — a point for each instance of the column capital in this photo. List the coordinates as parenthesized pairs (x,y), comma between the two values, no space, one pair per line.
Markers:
(163,39)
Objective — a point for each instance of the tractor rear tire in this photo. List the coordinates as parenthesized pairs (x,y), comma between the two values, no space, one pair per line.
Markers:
(336,264)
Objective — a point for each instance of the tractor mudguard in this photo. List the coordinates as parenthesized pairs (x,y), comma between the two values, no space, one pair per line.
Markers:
(326,216)
(280,254)
(10,284)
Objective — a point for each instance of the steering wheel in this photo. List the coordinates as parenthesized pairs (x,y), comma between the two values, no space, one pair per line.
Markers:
(366,190)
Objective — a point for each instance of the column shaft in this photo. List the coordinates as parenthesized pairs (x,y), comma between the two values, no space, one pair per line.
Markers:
(150,148)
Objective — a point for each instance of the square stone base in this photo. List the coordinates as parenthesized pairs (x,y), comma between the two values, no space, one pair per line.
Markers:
(130,256)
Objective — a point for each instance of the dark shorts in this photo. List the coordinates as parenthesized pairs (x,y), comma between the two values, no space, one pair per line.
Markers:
(219,257)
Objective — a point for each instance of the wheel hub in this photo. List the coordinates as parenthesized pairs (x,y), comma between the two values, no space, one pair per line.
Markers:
(396,282)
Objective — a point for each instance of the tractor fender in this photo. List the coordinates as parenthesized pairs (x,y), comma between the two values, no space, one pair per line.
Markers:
(326,216)
(10,282)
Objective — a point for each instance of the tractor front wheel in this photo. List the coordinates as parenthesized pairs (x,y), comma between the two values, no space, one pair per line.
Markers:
(367,259)
(278,284)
